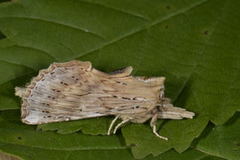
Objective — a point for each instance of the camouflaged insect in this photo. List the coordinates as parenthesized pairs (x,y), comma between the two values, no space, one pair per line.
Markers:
(74,90)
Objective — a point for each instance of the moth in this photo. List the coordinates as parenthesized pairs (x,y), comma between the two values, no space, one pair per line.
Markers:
(75,90)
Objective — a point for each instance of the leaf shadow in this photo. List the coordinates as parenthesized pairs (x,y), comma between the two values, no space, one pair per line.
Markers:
(2,36)
(204,134)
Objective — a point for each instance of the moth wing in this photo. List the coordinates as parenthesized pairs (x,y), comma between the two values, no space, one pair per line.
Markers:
(61,93)
(75,90)
(133,95)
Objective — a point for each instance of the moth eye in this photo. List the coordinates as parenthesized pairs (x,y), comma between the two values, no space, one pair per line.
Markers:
(137,107)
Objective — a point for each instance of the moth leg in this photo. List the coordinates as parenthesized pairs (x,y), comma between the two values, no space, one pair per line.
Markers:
(120,124)
(111,125)
(154,127)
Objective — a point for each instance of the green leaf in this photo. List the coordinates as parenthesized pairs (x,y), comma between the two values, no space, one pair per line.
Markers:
(25,142)
(1,36)
(7,103)
(193,44)
(14,132)
(223,140)
(28,153)
(18,65)
(94,126)
(3,1)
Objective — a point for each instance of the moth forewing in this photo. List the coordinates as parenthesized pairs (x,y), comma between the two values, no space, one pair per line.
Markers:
(74,90)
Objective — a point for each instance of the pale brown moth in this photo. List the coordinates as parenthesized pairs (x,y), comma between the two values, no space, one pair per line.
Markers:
(74,90)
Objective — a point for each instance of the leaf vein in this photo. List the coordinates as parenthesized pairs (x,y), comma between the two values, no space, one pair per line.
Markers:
(136,15)
(57,23)
(15,63)
(145,27)
(201,53)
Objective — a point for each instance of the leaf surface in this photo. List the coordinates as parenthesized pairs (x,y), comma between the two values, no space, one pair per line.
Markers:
(224,140)
(194,44)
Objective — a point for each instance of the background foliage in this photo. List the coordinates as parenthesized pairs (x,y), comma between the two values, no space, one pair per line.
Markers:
(193,43)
